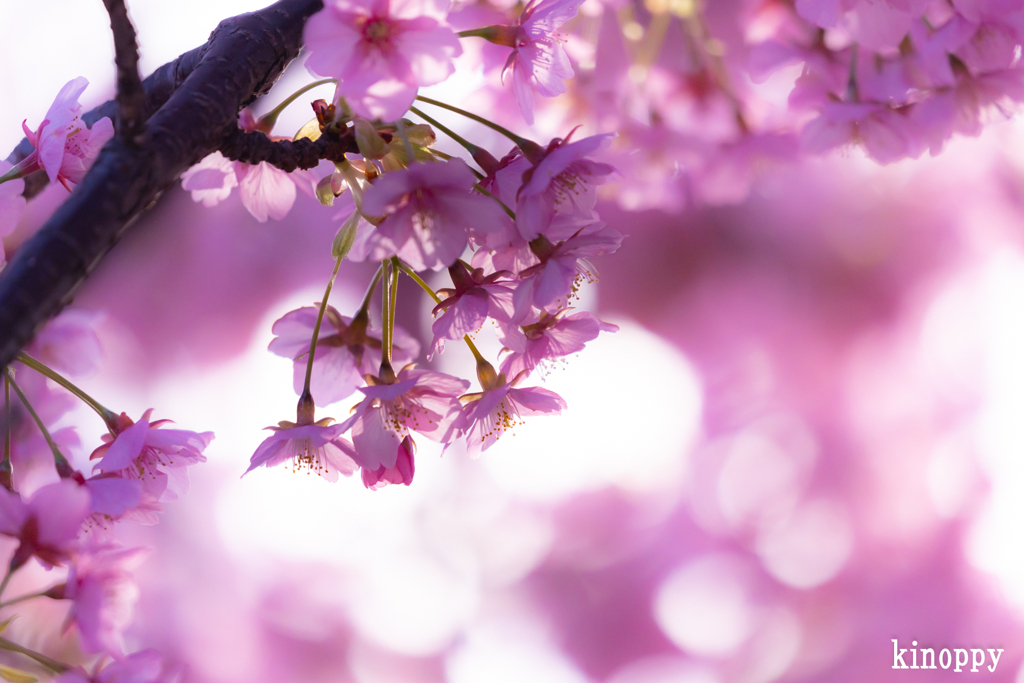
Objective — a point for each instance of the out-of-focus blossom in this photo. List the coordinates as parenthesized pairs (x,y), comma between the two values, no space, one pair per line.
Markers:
(211,180)
(422,401)
(64,146)
(12,205)
(381,51)
(68,343)
(429,208)
(46,525)
(317,448)
(156,457)
(103,595)
(346,350)
(501,407)
(551,337)
(146,666)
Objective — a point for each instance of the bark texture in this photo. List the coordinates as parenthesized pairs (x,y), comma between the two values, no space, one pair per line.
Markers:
(189,109)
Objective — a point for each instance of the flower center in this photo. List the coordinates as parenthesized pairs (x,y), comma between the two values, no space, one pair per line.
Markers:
(377,32)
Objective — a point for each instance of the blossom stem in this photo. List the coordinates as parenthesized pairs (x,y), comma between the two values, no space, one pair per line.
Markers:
(394,304)
(23,598)
(64,468)
(448,157)
(13,174)
(108,416)
(470,147)
(268,120)
(5,464)
(306,405)
(433,295)
(365,307)
(51,664)
(7,576)
(520,142)
(481,190)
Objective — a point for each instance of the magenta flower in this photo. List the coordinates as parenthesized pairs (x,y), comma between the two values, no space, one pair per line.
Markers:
(113,497)
(422,401)
(551,284)
(155,457)
(64,146)
(429,208)
(538,61)
(381,51)
(103,595)
(317,448)
(399,473)
(553,336)
(146,666)
(47,525)
(474,299)
(346,350)
(211,180)
(500,407)
(563,181)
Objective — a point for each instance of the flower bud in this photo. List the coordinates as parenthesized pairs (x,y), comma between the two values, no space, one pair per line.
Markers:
(346,237)
(370,144)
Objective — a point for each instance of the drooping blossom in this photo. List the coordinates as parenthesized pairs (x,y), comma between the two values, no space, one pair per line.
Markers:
(421,401)
(500,407)
(346,350)
(551,337)
(381,51)
(146,666)
(538,60)
(474,298)
(400,473)
(47,524)
(103,593)
(562,269)
(429,210)
(563,181)
(154,456)
(12,205)
(265,190)
(316,448)
(64,146)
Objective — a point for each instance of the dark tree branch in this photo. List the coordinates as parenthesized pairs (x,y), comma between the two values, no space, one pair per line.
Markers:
(241,61)
(131,98)
(252,148)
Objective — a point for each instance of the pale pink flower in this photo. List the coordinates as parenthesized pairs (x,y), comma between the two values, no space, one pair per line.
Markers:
(47,524)
(502,407)
(562,181)
(422,401)
(553,282)
(400,473)
(146,666)
(265,190)
(156,457)
(346,350)
(68,343)
(12,205)
(64,146)
(538,61)
(381,51)
(429,208)
(103,593)
(466,307)
(317,448)
(551,337)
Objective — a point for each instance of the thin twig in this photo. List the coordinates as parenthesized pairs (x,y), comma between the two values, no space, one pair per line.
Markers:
(131,97)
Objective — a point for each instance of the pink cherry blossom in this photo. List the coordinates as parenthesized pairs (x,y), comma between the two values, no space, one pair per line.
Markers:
(146,666)
(538,61)
(381,51)
(422,401)
(564,181)
(400,473)
(346,350)
(553,336)
(551,283)
(317,448)
(475,298)
(429,208)
(46,525)
(68,343)
(501,407)
(211,180)
(103,593)
(156,457)
(64,146)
